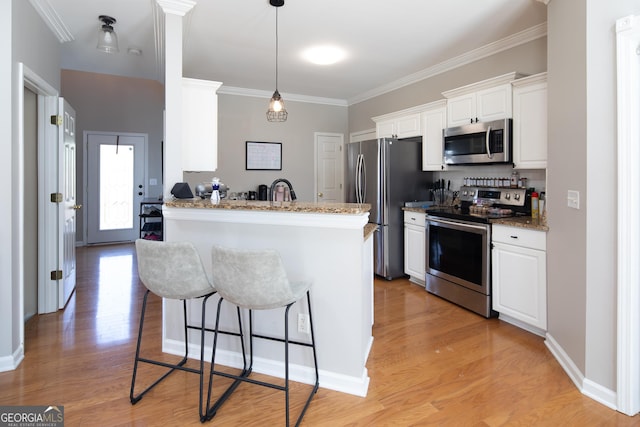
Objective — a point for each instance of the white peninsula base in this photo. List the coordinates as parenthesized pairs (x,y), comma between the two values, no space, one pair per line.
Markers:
(326,248)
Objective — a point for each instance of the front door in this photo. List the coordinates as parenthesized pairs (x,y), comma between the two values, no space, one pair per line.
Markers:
(115,183)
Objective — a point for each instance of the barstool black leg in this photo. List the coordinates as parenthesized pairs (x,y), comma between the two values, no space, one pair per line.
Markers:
(135,399)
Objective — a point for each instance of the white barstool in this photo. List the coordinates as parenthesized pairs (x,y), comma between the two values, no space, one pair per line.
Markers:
(257,280)
(174,270)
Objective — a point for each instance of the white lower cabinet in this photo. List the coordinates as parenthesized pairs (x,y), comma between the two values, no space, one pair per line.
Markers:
(519,277)
(414,246)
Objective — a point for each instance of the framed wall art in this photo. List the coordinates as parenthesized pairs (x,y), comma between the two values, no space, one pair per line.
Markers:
(263,155)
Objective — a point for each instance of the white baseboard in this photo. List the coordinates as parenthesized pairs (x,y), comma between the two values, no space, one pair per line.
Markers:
(522,325)
(10,363)
(357,386)
(587,387)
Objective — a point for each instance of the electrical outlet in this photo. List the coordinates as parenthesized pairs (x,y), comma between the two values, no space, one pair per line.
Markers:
(303,323)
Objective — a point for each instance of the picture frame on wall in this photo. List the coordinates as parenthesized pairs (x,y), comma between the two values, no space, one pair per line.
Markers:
(263,155)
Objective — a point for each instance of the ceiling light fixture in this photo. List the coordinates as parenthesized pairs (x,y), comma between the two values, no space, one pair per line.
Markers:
(276,111)
(107,38)
(324,55)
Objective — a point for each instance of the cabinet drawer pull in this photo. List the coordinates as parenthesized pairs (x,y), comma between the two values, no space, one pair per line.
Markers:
(514,237)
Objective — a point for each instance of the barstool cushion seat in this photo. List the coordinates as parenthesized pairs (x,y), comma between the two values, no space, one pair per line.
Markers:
(182,278)
(254,279)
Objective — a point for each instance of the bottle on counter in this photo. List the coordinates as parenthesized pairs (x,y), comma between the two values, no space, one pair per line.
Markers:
(215,191)
(515,177)
(535,213)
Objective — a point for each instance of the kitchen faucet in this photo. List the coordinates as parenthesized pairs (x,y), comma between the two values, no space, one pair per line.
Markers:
(273,186)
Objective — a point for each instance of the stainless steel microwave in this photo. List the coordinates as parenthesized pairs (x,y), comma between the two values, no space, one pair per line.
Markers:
(478,143)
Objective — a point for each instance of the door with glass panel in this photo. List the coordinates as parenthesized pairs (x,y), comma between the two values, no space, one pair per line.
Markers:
(115,186)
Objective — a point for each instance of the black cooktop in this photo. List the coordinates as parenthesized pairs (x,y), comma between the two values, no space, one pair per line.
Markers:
(455,212)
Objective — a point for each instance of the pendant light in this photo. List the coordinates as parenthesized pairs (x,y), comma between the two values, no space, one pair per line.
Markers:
(276,112)
(107,38)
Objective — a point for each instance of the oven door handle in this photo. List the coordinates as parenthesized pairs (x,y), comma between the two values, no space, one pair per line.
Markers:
(487,138)
(457,225)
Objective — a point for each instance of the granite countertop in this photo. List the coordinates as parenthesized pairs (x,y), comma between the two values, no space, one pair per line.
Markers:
(522,222)
(255,205)
(515,221)
(369,229)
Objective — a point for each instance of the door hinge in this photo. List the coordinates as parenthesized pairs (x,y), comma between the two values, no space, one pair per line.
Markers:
(56,275)
(56,120)
(56,197)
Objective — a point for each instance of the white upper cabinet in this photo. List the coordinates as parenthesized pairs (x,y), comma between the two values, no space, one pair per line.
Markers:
(199,125)
(530,122)
(434,120)
(398,126)
(483,101)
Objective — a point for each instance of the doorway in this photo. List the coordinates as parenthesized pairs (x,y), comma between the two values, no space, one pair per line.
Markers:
(115,185)
(30,213)
(329,167)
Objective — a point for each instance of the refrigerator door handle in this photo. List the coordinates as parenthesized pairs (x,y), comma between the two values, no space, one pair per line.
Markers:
(358,181)
(363,172)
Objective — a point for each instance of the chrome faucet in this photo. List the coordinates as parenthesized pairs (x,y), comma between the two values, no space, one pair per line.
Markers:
(292,193)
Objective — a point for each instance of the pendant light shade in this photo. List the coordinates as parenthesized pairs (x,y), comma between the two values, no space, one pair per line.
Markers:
(276,112)
(107,38)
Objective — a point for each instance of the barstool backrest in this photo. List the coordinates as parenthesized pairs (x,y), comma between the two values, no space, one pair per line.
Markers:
(172,269)
(254,279)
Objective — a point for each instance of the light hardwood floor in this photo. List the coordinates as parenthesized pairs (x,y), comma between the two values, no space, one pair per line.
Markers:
(432,363)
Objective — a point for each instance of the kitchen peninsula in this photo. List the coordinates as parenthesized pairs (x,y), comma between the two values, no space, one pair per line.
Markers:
(329,244)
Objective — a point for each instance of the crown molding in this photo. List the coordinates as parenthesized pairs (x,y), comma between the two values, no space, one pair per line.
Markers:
(52,19)
(257,93)
(176,7)
(525,36)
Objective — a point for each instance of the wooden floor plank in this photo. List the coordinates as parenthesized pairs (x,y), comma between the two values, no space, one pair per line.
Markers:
(432,363)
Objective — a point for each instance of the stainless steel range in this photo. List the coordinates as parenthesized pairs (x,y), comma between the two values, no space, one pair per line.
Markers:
(458,244)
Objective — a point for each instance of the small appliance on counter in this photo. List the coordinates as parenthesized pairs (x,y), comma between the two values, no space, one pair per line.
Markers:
(262,192)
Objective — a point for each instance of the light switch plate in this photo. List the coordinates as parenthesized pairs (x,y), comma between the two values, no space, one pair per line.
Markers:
(153,181)
(573,199)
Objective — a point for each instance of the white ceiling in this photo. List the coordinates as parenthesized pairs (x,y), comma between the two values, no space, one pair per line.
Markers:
(233,41)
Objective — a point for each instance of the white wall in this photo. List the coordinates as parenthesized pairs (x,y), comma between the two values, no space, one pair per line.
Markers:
(243,118)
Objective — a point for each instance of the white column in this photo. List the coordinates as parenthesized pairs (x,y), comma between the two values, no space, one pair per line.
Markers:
(173,10)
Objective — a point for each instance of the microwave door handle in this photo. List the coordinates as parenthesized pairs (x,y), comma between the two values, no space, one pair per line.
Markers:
(489,154)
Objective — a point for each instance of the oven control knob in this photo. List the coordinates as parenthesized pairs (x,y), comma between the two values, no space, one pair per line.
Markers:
(507,196)
(516,196)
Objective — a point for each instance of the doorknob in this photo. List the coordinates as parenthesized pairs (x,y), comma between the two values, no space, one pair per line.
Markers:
(76,207)
(139,193)
(140,186)
(320,194)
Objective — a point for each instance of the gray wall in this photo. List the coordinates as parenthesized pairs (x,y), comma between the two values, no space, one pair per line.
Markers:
(529,58)
(582,156)
(116,104)
(243,118)
(30,42)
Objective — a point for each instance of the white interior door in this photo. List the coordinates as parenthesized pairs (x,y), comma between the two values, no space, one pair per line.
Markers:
(115,186)
(329,167)
(68,207)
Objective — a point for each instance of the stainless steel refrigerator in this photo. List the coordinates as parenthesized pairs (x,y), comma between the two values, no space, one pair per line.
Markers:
(386,173)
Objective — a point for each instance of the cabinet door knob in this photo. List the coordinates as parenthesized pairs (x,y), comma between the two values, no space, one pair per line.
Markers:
(320,195)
